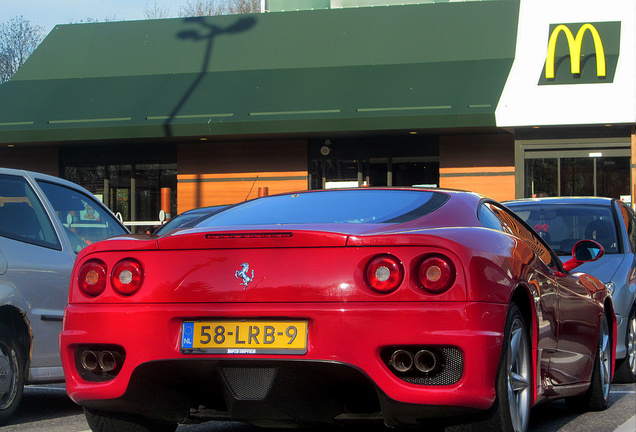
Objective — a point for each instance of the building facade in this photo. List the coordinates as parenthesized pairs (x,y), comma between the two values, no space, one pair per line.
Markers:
(510,98)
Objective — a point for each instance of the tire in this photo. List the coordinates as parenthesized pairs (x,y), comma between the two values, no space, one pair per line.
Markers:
(12,369)
(597,396)
(626,368)
(511,410)
(102,421)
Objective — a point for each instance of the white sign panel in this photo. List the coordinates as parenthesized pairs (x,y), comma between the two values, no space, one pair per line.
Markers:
(575,63)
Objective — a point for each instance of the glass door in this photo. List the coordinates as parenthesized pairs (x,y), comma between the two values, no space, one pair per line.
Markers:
(577,173)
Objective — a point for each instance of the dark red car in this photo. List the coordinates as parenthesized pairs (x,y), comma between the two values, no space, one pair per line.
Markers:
(404,306)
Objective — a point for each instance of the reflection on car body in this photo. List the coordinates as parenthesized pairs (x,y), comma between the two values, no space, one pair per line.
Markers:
(404,305)
(561,222)
(44,222)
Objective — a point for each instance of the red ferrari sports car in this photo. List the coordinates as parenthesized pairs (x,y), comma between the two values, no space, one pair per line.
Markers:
(402,306)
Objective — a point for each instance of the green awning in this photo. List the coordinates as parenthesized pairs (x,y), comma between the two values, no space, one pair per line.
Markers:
(382,68)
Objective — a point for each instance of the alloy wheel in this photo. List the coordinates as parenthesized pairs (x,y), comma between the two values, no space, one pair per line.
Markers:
(631,344)
(8,377)
(605,358)
(518,367)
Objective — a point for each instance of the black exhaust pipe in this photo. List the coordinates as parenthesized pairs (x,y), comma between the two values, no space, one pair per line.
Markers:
(402,361)
(426,361)
(107,361)
(89,360)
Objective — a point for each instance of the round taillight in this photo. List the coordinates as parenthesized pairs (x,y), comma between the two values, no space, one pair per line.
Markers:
(92,278)
(437,274)
(384,273)
(127,277)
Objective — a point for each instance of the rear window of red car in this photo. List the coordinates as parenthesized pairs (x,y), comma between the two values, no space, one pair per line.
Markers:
(372,206)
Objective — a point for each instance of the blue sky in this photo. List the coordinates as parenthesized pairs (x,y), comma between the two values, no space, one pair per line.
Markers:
(48,13)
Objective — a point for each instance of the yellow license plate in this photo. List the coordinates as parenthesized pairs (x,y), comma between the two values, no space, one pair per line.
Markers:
(244,337)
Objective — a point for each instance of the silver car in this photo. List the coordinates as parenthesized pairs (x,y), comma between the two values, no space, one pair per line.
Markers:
(561,222)
(44,222)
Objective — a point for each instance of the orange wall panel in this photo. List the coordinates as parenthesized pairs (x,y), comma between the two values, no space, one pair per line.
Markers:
(216,173)
(210,189)
(500,188)
(478,163)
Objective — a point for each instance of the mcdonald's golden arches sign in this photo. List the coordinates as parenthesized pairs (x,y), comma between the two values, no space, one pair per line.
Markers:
(581,53)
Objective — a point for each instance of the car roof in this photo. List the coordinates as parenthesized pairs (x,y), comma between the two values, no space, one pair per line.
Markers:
(561,200)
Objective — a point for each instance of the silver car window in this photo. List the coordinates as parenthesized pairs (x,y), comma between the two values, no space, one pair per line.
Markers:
(627,215)
(22,216)
(84,219)
(562,225)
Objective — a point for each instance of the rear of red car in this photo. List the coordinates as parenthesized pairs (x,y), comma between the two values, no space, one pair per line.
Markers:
(285,323)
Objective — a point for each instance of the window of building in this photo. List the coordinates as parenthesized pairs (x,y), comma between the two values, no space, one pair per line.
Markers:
(127,179)
(374,162)
(581,168)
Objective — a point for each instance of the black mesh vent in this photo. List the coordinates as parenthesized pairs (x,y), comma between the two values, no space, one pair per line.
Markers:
(451,373)
(249,383)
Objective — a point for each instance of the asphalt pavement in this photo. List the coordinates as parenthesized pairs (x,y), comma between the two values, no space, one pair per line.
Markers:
(48,409)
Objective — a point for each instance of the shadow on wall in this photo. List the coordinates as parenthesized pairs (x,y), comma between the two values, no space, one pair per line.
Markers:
(207,32)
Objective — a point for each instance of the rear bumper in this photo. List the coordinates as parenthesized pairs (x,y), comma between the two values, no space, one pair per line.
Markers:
(342,373)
